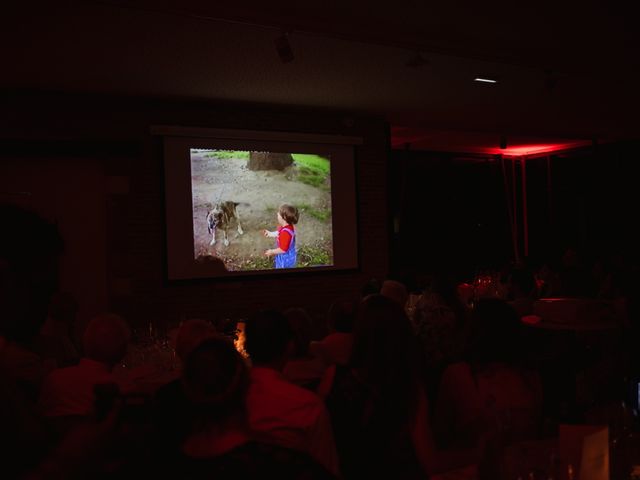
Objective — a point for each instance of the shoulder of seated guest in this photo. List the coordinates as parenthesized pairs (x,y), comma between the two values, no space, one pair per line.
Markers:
(458,369)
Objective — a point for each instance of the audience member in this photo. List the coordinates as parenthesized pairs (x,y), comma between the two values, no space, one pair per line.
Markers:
(335,348)
(69,392)
(302,368)
(575,280)
(396,291)
(441,324)
(493,390)
(220,443)
(282,412)
(522,290)
(372,286)
(377,403)
(29,252)
(171,414)
(55,341)
(210,265)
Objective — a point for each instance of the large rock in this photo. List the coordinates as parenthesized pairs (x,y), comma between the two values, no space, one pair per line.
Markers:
(269,161)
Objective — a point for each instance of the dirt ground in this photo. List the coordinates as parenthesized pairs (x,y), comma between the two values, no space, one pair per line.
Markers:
(260,193)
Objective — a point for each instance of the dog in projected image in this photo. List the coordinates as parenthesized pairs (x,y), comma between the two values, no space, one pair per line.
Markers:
(220,217)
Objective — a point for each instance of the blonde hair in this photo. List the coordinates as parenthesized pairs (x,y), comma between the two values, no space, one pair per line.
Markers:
(289,213)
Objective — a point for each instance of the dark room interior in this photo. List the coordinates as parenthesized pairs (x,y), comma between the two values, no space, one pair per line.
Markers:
(483,142)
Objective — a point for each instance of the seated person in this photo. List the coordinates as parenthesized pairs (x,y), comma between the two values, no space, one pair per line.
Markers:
(70,391)
(522,291)
(441,322)
(335,348)
(171,415)
(378,404)
(284,413)
(302,368)
(29,252)
(492,390)
(396,291)
(54,343)
(219,443)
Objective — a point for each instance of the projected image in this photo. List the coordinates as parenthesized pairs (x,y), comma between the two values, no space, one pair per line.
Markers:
(262,210)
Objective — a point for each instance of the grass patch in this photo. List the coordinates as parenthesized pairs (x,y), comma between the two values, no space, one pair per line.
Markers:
(227,154)
(311,256)
(257,263)
(313,162)
(322,214)
(313,170)
(308,256)
(313,178)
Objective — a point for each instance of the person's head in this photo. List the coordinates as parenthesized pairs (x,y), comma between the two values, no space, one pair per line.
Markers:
(106,338)
(445,286)
(301,323)
(288,213)
(385,350)
(29,252)
(383,335)
(522,283)
(571,258)
(210,264)
(496,333)
(371,287)
(63,308)
(215,380)
(396,291)
(190,334)
(341,316)
(268,338)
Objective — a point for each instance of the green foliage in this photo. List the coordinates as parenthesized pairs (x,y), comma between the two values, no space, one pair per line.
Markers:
(228,154)
(308,256)
(312,178)
(313,170)
(313,256)
(313,162)
(257,263)
(237,263)
(321,214)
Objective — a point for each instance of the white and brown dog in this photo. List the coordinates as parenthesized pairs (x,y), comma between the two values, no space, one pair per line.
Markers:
(220,216)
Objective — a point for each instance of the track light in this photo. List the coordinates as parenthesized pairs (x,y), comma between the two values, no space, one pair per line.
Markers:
(485,80)
(283,47)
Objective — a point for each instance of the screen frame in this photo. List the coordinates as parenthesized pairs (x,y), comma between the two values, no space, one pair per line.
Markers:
(178,141)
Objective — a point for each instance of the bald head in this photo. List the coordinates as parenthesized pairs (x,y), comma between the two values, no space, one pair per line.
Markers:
(106,338)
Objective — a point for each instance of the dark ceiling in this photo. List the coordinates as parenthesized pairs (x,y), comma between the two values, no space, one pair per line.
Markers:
(563,71)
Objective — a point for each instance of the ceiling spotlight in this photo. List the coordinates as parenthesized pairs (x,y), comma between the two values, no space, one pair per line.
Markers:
(485,80)
(416,61)
(283,47)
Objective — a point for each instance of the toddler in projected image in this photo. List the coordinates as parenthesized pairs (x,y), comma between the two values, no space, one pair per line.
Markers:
(285,251)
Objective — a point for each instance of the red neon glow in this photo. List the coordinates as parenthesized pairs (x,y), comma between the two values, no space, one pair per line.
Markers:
(476,142)
(534,149)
